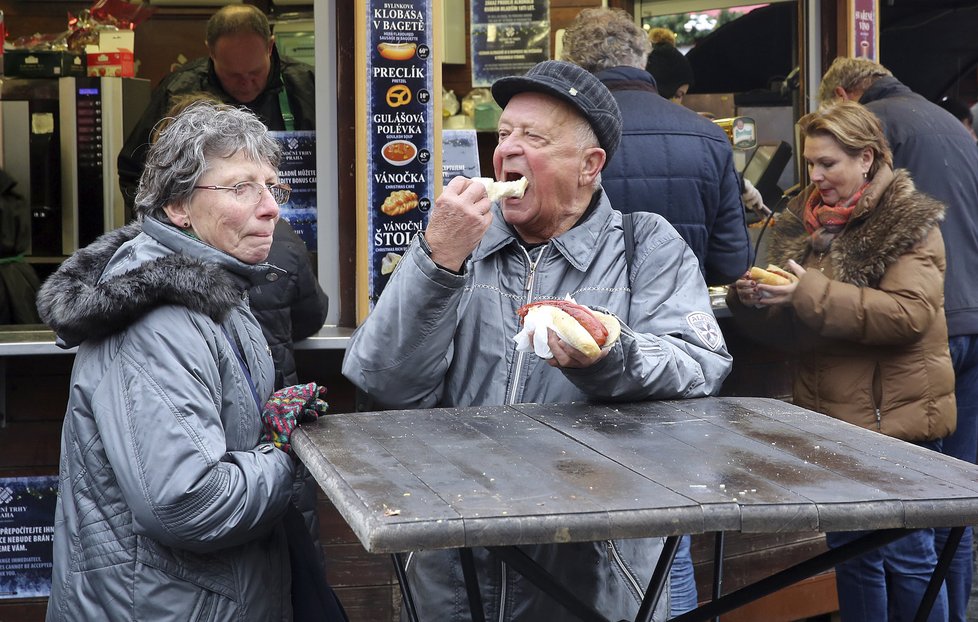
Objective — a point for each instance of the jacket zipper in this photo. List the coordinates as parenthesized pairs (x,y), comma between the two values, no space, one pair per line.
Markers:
(527,298)
(637,590)
(502,592)
(878,396)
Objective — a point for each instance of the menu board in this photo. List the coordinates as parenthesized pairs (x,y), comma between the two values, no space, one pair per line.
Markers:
(26,530)
(298,169)
(399,132)
(508,37)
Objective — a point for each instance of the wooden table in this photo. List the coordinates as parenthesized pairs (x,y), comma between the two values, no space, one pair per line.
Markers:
(530,473)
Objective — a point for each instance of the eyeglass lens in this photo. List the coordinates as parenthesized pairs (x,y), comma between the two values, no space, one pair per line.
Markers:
(251,191)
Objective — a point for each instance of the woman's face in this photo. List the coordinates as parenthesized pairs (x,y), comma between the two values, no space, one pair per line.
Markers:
(240,227)
(837,175)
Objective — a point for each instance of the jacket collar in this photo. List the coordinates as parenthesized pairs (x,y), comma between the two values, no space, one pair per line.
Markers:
(890,219)
(617,77)
(579,246)
(127,273)
(887,86)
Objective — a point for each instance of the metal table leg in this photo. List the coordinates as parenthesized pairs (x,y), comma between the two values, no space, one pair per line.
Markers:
(792,575)
(538,576)
(658,581)
(940,571)
(472,585)
(718,569)
(405,589)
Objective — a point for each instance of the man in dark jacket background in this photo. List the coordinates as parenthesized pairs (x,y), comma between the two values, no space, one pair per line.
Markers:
(943,160)
(671,160)
(243,69)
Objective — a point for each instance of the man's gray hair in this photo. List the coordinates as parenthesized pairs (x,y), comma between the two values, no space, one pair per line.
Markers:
(237,19)
(603,38)
(186,145)
(854,75)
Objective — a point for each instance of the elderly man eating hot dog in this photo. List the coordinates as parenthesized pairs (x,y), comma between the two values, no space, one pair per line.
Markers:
(442,332)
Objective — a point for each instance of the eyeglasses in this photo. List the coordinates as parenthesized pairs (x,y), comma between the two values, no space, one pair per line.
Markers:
(249,192)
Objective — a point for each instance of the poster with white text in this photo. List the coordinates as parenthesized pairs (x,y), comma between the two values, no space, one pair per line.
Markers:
(26,532)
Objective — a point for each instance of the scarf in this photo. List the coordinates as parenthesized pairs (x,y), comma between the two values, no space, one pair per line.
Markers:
(824,222)
(831,217)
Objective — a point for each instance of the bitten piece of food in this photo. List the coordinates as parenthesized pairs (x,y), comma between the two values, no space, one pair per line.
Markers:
(503,189)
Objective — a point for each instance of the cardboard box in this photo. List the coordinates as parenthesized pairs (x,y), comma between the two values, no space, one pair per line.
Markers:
(113,56)
(112,64)
(43,64)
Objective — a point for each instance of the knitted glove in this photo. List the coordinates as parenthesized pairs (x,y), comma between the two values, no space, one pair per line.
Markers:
(288,407)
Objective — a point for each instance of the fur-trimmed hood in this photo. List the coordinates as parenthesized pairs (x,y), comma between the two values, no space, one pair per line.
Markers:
(891,218)
(106,286)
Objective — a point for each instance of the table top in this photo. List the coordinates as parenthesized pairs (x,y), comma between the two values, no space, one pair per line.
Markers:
(534,473)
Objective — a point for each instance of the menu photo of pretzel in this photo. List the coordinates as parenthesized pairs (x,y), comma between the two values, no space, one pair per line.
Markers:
(399,202)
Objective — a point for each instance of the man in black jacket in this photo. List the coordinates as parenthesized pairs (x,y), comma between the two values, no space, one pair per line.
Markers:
(943,160)
(244,69)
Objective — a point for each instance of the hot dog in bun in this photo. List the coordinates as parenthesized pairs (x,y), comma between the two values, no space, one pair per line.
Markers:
(772,275)
(584,329)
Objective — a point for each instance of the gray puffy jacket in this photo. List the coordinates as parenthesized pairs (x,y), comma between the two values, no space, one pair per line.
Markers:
(440,339)
(168,507)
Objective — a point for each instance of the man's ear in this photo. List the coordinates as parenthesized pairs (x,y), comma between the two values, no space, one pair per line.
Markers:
(841,93)
(591,165)
(271,44)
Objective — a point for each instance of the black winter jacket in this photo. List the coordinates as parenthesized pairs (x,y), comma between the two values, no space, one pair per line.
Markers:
(675,163)
(198,76)
(291,308)
(943,160)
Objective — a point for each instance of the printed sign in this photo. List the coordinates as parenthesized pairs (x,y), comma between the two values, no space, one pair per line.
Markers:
(459,154)
(400,133)
(863,40)
(26,532)
(508,37)
(298,169)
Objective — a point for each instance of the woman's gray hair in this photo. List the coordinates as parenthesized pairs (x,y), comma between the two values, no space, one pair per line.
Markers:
(185,146)
(601,38)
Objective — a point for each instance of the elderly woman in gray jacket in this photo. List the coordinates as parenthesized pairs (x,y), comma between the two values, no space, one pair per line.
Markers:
(170,508)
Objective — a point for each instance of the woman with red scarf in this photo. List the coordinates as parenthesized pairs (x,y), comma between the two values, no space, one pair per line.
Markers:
(865,321)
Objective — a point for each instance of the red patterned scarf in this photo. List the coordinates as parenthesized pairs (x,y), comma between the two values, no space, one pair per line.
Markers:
(831,217)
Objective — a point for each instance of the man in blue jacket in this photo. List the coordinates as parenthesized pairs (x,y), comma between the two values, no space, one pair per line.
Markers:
(671,160)
(943,160)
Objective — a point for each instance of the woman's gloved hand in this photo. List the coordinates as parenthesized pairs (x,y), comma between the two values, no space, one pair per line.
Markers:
(287,408)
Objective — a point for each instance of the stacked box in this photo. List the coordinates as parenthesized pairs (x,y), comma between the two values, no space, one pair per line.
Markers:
(43,64)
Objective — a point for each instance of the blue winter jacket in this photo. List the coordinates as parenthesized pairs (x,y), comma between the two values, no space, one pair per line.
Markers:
(677,164)
(943,160)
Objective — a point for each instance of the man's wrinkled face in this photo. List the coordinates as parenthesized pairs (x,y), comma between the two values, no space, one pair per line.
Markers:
(539,140)
(242,63)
